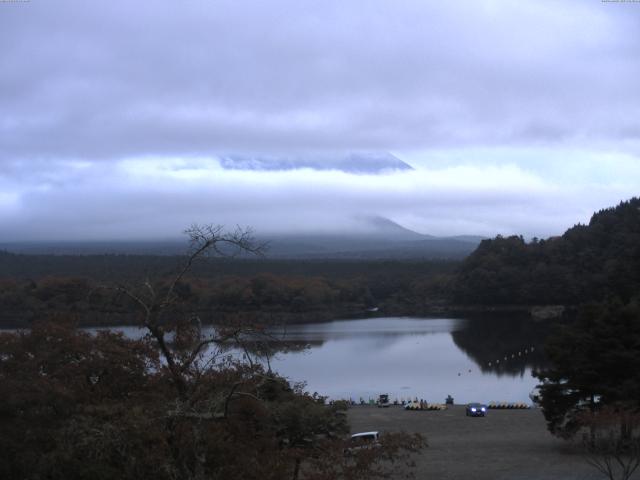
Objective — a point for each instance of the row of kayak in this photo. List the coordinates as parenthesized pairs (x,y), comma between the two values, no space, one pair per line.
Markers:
(442,406)
(424,406)
(505,405)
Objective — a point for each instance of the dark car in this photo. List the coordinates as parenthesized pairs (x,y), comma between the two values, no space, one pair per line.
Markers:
(476,410)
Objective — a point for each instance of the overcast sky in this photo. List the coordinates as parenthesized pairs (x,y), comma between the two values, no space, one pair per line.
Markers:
(518,117)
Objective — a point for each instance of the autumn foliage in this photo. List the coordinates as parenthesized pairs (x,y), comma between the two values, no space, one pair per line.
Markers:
(77,405)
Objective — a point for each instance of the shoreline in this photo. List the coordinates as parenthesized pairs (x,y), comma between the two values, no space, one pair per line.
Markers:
(533,312)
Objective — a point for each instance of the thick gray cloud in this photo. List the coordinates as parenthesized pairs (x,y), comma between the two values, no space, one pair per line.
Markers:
(99,101)
(111,79)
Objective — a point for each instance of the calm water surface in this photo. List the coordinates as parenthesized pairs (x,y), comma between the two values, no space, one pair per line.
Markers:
(472,360)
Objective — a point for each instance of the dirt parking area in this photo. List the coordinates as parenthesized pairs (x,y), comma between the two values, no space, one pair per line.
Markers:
(504,445)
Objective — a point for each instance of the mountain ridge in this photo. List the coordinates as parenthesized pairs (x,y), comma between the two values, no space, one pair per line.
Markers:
(348,162)
(375,237)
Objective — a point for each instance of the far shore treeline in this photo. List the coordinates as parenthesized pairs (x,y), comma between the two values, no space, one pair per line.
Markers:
(591,262)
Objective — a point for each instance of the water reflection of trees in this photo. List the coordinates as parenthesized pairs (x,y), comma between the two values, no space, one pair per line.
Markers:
(498,345)
(504,346)
(270,347)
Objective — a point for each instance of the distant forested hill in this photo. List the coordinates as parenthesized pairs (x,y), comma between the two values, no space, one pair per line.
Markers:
(36,287)
(589,262)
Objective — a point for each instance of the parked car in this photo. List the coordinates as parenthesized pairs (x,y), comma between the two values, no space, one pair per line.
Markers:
(364,440)
(476,410)
(383,401)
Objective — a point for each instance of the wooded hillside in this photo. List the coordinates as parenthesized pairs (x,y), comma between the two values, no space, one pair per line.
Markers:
(589,262)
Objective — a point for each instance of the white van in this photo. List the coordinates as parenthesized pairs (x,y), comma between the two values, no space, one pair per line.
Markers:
(364,440)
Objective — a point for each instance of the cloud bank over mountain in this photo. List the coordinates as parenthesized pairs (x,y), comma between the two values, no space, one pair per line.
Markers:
(159,198)
(118,117)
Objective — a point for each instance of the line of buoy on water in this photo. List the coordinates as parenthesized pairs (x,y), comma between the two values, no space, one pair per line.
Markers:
(513,356)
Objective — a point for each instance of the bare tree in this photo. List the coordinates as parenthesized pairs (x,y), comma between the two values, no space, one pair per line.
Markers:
(186,348)
(157,302)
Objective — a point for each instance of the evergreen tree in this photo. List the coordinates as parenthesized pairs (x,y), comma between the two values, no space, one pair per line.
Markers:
(595,363)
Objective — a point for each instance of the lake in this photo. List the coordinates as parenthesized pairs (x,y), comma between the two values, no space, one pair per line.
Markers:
(479,360)
(473,360)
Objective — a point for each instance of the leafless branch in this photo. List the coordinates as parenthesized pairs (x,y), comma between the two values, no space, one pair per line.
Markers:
(206,238)
(156,305)
(201,345)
